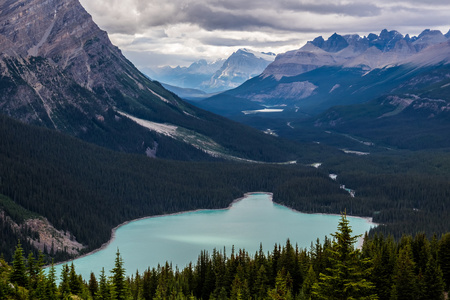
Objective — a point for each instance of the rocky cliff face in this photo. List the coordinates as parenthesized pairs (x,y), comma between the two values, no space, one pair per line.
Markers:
(239,67)
(58,69)
(65,34)
(53,56)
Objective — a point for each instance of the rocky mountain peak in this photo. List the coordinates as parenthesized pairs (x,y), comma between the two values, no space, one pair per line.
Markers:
(387,40)
(335,43)
(318,41)
(428,37)
(373,51)
(240,66)
(55,59)
(429,32)
(63,33)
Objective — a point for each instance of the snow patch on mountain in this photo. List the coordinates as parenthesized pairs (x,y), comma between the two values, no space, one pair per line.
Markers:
(336,86)
(165,129)
(212,77)
(269,56)
(242,65)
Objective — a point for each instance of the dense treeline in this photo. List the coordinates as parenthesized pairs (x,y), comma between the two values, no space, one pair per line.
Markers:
(413,268)
(406,192)
(409,192)
(88,190)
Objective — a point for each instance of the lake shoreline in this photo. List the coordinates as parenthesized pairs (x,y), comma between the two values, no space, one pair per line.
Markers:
(113,231)
(246,195)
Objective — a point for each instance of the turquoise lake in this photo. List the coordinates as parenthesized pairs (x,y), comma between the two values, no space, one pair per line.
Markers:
(181,237)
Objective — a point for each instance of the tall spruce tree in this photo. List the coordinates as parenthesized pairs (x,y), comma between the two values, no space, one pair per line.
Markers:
(283,287)
(434,284)
(346,278)
(74,281)
(103,287)
(19,272)
(404,279)
(444,258)
(64,287)
(93,285)
(51,289)
(310,279)
(118,278)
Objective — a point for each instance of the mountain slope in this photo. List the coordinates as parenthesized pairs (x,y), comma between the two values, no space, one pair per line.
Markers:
(239,67)
(341,70)
(58,69)
(85,190)
(218,76)
(194,76)
(415,115)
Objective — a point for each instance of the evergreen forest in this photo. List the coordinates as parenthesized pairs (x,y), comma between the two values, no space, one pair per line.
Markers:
(87,190)
(413,268)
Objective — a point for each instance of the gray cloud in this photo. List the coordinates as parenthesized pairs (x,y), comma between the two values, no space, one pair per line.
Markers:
(211,19)
(348,9)
(180,30)
(227,42)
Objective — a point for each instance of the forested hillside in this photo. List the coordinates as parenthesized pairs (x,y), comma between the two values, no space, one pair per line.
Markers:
(85,190)
(413,268)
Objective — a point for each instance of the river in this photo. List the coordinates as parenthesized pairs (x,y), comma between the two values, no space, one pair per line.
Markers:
(180,238)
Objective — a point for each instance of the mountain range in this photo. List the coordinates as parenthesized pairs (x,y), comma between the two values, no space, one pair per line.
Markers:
(390,77)
(73,94)
(65,90)
(60,70)
(213,77)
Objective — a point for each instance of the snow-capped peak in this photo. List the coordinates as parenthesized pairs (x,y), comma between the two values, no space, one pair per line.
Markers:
(269,56)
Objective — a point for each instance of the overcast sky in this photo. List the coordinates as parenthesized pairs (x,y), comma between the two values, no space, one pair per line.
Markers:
(179,32)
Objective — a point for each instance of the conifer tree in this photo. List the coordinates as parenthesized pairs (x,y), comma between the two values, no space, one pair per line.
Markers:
(118,278)
(40,290)
(434,284)
(51,290)
(310,279)
(18,275)
(64,287)
(283,287)
(261,284)
(32,271)
(5,287)
(444,258)
(239,288)
(345,278)
(74,281)
(103,290)
(382,253)
(93,285)
(404,279)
